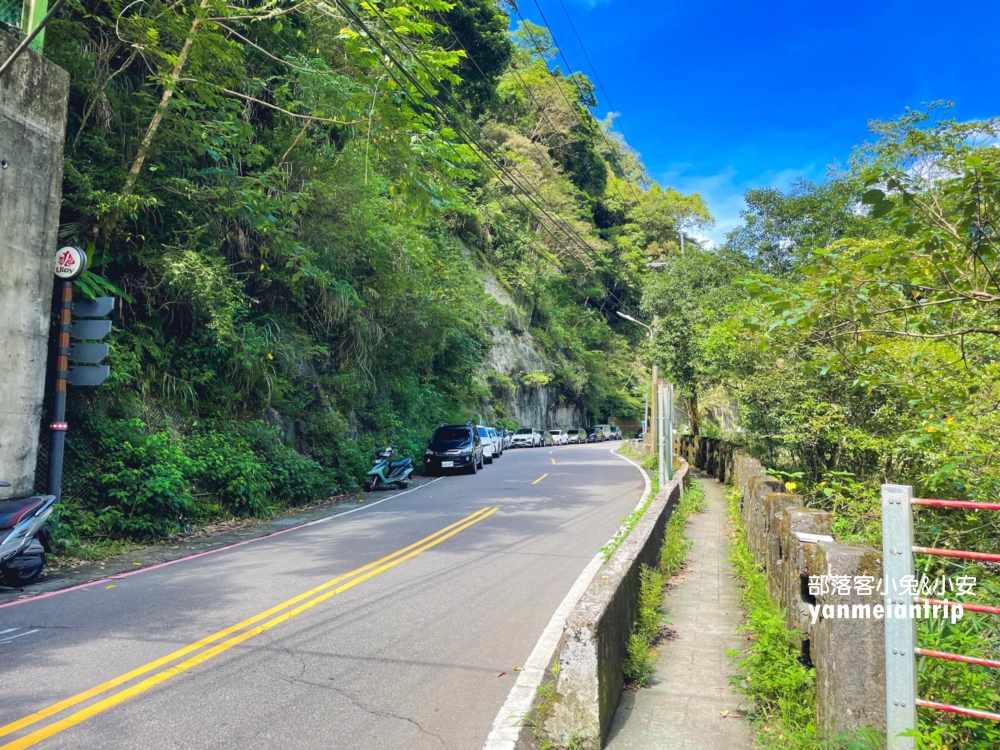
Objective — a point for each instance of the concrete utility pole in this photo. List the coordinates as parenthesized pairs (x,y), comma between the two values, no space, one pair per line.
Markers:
(33,97)
(32,13)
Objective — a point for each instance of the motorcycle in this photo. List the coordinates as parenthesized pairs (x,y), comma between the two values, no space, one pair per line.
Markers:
(24,540)
(385,471)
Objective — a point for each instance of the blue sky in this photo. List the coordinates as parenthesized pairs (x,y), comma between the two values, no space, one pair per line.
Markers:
(720,96)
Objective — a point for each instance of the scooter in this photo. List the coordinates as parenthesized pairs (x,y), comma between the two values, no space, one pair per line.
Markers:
(24,540)
(385,471)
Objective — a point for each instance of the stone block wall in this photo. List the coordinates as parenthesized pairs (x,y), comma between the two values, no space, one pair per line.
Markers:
(791,543)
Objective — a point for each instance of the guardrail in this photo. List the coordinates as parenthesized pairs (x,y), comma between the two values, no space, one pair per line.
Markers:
(901,648)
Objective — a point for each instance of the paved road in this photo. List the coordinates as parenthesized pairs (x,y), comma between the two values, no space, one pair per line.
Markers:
(414,608)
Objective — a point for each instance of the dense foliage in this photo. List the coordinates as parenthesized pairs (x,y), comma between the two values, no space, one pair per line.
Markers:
(302,206)
(853,326)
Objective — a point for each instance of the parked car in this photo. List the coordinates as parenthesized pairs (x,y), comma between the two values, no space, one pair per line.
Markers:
(605,430)
(489,443)
(595,435)
(546,438)
(559,437)
(454,446)
(577,435)
(505,437)
(616,434)
(497,441)
(526,437)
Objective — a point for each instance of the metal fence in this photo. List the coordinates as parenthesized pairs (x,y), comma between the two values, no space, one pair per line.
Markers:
(901,647)
(82,444)
(10,13)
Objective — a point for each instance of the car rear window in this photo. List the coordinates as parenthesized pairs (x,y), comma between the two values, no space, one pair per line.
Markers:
(451,433)
(523,432)
(557,432)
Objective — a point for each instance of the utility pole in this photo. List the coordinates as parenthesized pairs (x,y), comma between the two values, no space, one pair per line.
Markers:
(32,14)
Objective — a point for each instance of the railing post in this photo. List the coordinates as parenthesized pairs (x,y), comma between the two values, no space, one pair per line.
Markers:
(661,394)
(670,432)
(900,633)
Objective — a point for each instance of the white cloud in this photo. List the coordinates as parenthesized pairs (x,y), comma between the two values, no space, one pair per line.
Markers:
(723,191)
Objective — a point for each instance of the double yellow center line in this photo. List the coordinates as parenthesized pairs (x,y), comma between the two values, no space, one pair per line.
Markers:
(229,637)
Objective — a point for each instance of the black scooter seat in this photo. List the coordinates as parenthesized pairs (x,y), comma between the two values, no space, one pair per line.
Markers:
(12,512)
(400,463)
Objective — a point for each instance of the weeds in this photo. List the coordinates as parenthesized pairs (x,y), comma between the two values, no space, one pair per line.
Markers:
(638,654)
(639,660)
(782,689)
(675,546)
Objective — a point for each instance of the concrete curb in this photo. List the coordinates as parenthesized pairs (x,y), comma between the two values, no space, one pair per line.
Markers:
(592,648)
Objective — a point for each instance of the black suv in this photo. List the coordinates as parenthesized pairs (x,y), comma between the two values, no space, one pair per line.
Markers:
(453,446)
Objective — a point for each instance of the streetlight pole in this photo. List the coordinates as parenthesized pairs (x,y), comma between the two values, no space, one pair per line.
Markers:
(651,422)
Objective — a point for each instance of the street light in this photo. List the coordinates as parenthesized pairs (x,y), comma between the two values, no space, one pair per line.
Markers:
(649,414)
(637,322)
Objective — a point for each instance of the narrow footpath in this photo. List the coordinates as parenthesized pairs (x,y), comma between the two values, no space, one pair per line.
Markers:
(689,704)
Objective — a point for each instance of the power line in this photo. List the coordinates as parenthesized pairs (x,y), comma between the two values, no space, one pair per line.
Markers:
(489,139)
(569,77)
(460,128)
(593,69)
(358,21)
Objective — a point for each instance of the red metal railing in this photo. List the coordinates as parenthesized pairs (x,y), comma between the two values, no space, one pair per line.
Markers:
(967,555)
(958,657)
(958,710)
(987,556)
(955,504)
(967,607)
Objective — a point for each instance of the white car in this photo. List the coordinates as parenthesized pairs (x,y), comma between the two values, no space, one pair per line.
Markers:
(490,450)
(559,437)
(527,437)
(497,441)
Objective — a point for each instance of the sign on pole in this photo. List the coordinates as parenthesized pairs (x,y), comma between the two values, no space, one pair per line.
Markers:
(71,262)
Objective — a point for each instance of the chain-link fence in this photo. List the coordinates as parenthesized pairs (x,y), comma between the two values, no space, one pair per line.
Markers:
(10,14)
(82,444)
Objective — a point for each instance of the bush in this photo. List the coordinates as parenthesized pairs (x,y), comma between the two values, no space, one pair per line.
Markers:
(139,483)
(226,467)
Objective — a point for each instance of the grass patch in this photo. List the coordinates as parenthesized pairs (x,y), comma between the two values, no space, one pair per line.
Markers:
(639,655)
(629,522)
(675,546)
(648,461)
(781,688)
(91,550)
(639,658)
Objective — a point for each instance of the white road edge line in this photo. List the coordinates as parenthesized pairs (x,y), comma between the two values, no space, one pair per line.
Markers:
(365,507)
(509,721)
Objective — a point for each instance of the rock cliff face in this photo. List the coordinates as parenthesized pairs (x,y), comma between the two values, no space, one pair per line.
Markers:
(514,355)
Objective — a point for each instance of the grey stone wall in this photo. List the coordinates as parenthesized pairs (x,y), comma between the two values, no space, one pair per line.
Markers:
(33,98)
(593,645)
(790,543)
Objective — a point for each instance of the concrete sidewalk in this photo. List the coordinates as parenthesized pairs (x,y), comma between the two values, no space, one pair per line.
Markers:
(682,707)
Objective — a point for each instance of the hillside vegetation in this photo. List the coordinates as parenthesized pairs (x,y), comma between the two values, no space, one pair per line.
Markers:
(854,326)
(298,204)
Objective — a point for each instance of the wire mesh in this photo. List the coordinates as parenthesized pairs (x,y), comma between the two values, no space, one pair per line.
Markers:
(10,13)
(81,445)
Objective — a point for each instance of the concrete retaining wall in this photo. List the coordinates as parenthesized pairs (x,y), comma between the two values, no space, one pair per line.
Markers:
(792,543)
(592,650)
(33,96)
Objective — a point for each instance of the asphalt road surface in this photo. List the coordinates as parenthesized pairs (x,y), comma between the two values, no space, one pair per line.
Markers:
(381,630)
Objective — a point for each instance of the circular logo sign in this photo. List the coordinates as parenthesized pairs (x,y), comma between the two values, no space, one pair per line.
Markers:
(70,263)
